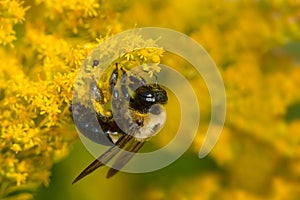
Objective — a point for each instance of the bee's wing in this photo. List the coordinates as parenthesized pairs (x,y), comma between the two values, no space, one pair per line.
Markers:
(124,158)
(105,157)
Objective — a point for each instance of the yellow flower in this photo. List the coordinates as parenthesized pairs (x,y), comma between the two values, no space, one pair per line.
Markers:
(20,178)
(11,13)
(246,39)
(16,148)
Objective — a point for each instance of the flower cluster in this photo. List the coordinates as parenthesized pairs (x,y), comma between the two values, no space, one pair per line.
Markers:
(44,42)
(11,13)
(36,79)
(34,112)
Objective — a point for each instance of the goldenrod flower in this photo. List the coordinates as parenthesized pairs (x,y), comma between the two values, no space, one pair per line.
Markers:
(43,43)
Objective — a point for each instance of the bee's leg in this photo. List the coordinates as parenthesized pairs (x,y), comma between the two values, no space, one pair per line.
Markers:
(113,78)
(97,96)
(113,81)
(96,93)
(116,97)
(105,121)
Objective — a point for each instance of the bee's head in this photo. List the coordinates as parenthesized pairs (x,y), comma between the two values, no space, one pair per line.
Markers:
(146,96)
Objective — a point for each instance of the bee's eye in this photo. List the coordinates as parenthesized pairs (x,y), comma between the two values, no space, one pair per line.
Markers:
(146,94)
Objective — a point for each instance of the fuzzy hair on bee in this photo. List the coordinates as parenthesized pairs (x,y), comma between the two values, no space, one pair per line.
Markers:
(136,115)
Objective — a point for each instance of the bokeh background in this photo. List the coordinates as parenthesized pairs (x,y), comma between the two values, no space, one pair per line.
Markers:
(254,43)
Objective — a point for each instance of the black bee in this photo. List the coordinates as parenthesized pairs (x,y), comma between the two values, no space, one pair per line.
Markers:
(130,126)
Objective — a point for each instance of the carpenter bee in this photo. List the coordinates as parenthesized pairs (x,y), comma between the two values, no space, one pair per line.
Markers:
(126,127)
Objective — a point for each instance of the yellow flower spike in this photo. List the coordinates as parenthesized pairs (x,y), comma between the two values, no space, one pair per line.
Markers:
(143,53)
(128,56)
(155,59)
(16,148)
(20,178)
(13,12)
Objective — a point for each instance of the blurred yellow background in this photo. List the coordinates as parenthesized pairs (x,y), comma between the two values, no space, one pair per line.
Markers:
(254,43)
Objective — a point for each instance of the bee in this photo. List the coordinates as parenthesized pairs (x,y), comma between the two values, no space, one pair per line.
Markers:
(128,128)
